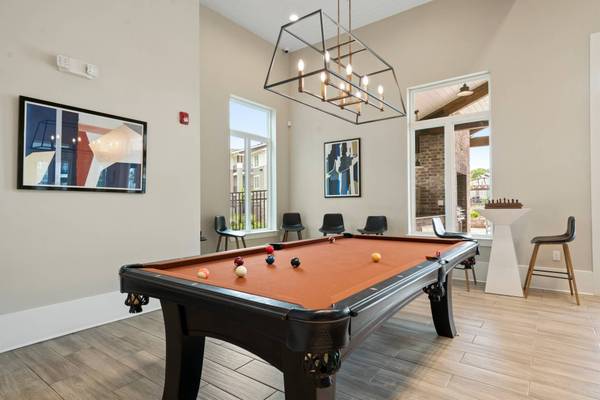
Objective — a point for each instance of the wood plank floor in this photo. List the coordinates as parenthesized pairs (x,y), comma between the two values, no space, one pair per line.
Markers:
(544,348)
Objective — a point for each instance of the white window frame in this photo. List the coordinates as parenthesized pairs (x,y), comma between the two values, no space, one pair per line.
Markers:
(271,164)
(448,123)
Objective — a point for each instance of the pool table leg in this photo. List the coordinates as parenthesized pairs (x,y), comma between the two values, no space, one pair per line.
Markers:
(184,356)
(301,386)
(441,311)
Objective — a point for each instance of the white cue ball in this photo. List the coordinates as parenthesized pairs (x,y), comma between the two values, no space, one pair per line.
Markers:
(241,271)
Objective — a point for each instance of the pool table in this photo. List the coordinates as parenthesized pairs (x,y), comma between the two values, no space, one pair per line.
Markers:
(302,320)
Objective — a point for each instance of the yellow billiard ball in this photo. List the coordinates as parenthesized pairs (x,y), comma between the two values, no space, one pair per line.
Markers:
(376,257)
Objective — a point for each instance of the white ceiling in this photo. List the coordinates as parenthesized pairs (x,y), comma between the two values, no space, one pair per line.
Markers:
(265,17)
(430,100)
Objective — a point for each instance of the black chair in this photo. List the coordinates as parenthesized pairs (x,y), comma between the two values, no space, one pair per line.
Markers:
(440,231)
(291,222)
(375,225)
(332,223)
(224,232)
(563,240)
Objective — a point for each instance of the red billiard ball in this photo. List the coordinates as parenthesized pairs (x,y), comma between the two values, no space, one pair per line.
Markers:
(238,261)
(269,249)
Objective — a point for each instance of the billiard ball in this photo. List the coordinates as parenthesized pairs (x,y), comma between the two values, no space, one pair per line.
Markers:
(331,239)
(203,273)
(376,257)
(238,261)
(269,249)
(295,262)
(241,271)
(270,259)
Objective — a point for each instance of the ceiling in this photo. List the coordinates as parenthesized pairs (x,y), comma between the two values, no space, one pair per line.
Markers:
(430,100)
(265,17)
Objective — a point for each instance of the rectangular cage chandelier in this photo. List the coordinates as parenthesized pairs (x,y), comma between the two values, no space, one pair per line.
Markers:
(339,76)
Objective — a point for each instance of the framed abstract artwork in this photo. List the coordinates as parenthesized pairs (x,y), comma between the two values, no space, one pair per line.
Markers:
(69,148)
(342,168)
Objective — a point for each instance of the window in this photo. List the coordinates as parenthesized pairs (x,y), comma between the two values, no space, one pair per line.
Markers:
(450,169)
(251,144)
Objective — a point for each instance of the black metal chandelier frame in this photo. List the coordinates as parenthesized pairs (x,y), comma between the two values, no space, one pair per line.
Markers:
(340,102)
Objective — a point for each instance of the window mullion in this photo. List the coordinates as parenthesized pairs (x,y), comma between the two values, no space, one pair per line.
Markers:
(247,192)
(450,174)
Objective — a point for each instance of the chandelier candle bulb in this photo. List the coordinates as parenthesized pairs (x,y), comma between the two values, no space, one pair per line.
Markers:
(327,57)
(380,91)
(365,85)
(301,75)
(323,86)
(358,95)
(342,94)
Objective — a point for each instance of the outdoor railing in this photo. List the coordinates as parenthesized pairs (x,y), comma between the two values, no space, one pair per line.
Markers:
(259,217)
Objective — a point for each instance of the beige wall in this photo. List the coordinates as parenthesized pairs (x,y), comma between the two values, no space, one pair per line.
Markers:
(58,246)
(236,64)
(537,54)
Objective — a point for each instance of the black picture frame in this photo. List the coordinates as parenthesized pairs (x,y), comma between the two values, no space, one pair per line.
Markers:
(326,183)
(24,101)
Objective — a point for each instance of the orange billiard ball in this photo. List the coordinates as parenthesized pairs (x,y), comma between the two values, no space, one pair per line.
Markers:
(376,257)
(203,273)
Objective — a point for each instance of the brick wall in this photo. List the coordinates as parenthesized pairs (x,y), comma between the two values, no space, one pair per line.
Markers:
(430,180)
(429,176)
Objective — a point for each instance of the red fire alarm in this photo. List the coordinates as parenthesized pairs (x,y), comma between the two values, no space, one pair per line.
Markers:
(184,118)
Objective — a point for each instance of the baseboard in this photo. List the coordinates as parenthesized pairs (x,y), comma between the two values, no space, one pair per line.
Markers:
(584,279)
(35,325)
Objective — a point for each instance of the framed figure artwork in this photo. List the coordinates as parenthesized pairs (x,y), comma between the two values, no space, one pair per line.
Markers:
(342,168)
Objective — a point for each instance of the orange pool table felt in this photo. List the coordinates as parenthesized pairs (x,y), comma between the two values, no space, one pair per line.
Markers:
(329,272)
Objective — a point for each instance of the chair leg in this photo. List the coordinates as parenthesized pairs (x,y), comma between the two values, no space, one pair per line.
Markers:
(474,276)
(243,242)
(299,235)
(571,270)
(285,236)
(237,242)
(219,243)
(530,270)
(467,279)
(226,242)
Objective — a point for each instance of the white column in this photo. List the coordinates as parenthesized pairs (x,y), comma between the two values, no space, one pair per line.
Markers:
(503,268)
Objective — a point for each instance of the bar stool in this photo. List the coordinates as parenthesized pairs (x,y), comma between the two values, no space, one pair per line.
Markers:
(468,264)
(563,239)
(375,225)
(291,222)
(332,223)
(224,232)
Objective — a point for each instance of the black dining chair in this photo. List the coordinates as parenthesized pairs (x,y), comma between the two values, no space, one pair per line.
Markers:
(291,222)
(440,231)
(564,240)
(332,223)
(224,232)
(375,225)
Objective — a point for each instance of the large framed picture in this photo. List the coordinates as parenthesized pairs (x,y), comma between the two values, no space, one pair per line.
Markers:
(69,148)
(342,168)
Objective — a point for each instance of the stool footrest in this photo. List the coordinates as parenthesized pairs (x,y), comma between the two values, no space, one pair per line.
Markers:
(551,272)
(550,276)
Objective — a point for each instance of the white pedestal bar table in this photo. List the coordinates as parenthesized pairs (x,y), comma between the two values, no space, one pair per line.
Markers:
(503,269)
